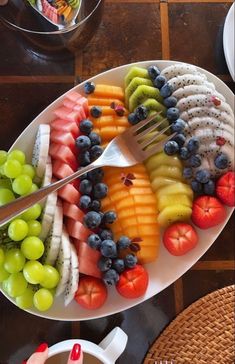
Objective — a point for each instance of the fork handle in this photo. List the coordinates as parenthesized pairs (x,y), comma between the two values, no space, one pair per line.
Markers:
(14,208)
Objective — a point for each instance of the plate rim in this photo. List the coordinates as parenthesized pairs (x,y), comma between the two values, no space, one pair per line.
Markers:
(130,303)
(230,63)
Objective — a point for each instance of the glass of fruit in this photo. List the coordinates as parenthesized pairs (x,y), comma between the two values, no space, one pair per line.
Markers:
(51,30)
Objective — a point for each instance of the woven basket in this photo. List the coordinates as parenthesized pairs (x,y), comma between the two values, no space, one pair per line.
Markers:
(202,334)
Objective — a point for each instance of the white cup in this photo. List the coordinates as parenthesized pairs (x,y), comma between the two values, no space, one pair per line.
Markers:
(107,352)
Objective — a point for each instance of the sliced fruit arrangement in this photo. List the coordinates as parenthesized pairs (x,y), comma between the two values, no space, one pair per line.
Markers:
(99,229)
(174,196)
(59,12)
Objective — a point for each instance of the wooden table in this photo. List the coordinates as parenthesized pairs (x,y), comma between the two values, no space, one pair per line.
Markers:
(132,30)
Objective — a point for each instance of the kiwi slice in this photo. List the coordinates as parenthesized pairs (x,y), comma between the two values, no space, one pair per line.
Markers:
(141,94)
(135,82)
(74,3)
(135,72)
(154,105)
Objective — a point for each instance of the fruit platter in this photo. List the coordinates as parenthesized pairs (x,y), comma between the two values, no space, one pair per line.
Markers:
(115,237)
(61,13)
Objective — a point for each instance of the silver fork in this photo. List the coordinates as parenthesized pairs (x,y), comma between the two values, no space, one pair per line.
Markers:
(127,149)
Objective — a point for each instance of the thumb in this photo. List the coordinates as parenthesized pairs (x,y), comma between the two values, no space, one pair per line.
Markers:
(76,355)
(40,355)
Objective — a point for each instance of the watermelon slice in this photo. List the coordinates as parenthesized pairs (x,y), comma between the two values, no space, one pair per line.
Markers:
(61,170)
(84,103)
(64,154)
(69,194)
(88,259)
(69,104)
(73,96)
(73,211)
(63,138)
(77,230)
(66,126)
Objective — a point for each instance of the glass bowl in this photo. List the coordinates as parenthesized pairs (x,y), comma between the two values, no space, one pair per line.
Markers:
(44,38)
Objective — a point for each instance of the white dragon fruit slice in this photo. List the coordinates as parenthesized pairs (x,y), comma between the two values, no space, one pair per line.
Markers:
(41,149)
(72,284)
(48,214)
(207,111)
(63,262)
(179,69)
(196,89)
(185,80)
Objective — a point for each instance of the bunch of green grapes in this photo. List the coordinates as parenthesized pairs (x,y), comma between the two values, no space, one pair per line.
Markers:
(22,276)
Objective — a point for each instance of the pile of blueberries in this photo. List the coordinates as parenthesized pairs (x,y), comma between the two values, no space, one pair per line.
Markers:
(110,263)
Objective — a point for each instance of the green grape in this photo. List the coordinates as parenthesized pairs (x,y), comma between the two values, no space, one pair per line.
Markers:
(2,173)
(33,272)
(5,285)
(5,183)
(18,230)
(25,300)
(16,284)
(22,184)
(32,247)
(12,168)
(34,188)
(14,260)
(29,170)
(6,196)
(3,157)
(3,273)
(51,278)
(34,228)
(17,155)
(2,256)
(43,299)
(32,213)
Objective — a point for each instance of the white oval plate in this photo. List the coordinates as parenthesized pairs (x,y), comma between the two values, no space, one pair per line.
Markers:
(167,268)
(228,40)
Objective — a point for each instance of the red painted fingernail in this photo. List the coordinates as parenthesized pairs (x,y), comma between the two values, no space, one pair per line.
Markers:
(76,352)
(41,348)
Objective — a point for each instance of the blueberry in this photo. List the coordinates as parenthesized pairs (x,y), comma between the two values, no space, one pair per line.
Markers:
(84,158)
(130,260)
(89,87)
(133,119)
(95,152)
(92,220)
(95,205)
(86,126)
(96,111)
(109,217)
(141,112)
(171,147)
(179,139)
(118,265)
(123,243)
(104,264)
(187,172)
(85,187)
(203,176)
(172,114)
(111,277)
(184,153)
(193,144)
(83,142)
(106,234)
(170,101)
(94,138)
(159,81)
(195,160)
(96,175)
(100,190)
(221,161)
(94,241)
(84,202)
(166,90)
(178,126)
(196,186)
(153,72)
(209,187)
(108,248)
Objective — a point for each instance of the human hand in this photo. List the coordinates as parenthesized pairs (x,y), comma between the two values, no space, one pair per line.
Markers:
(41,354)
(3,2)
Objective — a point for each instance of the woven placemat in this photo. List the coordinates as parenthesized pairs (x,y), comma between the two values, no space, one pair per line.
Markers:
(202,334)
